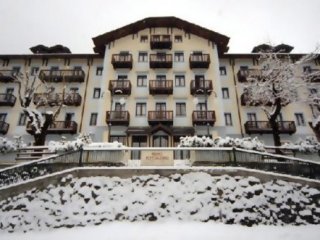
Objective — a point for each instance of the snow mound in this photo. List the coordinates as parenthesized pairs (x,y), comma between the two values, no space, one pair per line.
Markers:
(195,196)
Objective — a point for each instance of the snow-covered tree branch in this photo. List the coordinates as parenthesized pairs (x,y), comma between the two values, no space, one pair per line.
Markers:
(30,102)
(277,83)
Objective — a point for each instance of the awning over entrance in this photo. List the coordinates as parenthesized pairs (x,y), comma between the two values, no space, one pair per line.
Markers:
(174,131)
(138,131)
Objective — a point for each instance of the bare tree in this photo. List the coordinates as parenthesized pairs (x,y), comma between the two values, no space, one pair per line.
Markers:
(276,84)
(38,122)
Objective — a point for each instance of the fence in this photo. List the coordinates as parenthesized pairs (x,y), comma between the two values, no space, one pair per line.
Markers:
(161,157)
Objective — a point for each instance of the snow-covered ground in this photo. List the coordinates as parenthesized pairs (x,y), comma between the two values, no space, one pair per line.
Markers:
(173,230)
(193,197)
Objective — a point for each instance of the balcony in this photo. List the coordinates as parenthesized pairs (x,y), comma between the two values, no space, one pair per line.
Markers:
(118,118)
(243,74)
(160,42)
(200,87)
(199,60)
(7,99)
(7,75)
(163,117)
(121,61)
(203,118)
(54,99)
(261,127)
(120,87)
(75,75)
(59,127)
(160,60)
(4,127)
(313,75)
(160,87)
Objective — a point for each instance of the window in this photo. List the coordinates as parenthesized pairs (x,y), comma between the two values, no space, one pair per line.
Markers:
(143,57)
(300,119)
(228,119)
(161,106)
(54,70)
(15,71)
(120,139)
(22,119)
(3,117)
(74,90)
(93,119)
(313,91)
(160,141)
(122,77)
(252,117)
(177,38)
(99,71)
(142,80)
(244,68)
(307,69)
(180,81)
(178,57)
(34,71)
(138,141)
(96,92)
(161,77)
(223,71)
(9,92)
(143,38)
(180,109)
(225,93)
(141,109)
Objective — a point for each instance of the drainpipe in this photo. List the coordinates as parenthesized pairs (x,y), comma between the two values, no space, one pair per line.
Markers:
(90,61)
(237,96)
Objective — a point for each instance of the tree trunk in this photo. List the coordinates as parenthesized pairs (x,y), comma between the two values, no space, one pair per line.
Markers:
(275,126)
(275,132)
(39,139)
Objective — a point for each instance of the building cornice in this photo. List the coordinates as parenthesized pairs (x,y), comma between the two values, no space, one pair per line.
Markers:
(101,41)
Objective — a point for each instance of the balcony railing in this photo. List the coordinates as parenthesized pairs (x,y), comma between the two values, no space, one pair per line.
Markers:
(160,42)
(120,87)
(201,87)
(4,127)
(74,75)
(53,99)
(121,61)
(7,75)
(160,60)
(7,100)
(199,60)
(160,87)
(163,117)
(252,73)
(118,118)
(203,118)
(260,127)
(58,127)
(313,78)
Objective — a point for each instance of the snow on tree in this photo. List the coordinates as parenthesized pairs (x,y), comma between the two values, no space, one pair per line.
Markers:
(314,101)
(276,84)
(244,143)
(37,121)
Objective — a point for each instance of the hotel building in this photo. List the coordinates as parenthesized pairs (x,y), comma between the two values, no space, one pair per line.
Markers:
(148,84)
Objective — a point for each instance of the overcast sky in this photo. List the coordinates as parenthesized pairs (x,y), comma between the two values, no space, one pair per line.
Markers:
(73,23)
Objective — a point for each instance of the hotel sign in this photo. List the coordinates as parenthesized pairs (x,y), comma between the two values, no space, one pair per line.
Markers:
(157,158)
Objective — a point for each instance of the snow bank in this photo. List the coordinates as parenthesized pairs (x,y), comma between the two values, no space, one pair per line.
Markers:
(196,197)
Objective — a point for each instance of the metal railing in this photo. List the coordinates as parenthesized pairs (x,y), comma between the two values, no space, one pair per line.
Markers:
(227,156)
